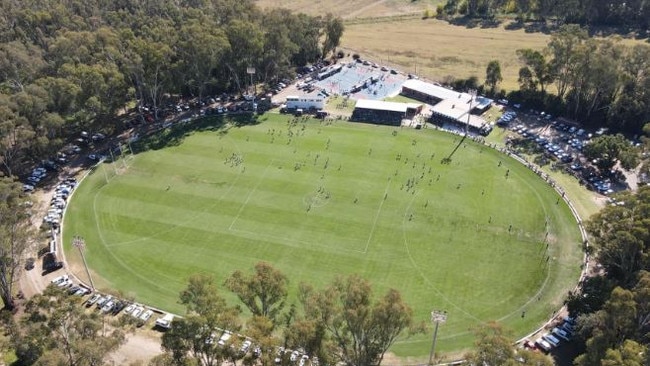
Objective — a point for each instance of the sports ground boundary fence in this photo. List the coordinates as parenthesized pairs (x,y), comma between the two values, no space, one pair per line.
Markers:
(117,152)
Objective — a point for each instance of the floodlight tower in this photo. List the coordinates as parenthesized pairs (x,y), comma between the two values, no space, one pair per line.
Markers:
(472,93)
(437,317)
(80,244)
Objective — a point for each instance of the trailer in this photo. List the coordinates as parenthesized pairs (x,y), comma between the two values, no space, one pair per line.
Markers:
(306,102)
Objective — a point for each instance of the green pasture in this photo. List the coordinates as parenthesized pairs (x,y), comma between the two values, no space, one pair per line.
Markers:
(481,237)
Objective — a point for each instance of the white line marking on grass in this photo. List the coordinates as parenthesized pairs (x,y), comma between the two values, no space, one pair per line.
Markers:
(250,194)
(374,223)
(118,260)
(293,242)
(179,223)
(417,268)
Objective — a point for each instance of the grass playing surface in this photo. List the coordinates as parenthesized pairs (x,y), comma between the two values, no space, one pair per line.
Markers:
(481,237)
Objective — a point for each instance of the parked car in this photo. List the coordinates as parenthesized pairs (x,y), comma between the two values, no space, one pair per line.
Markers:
(560,333)
(93,299)
(165,322)
(543,345)
(29,264)
(551,339)
(129,309)
(102,301)
(145,316)
(59,279)
(137,312)
(82,291)
(224,338)
(118,307)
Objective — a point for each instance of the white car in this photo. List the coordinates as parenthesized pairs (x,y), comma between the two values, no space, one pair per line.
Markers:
(82,291)
(544,345)
(551,339)
(294,356)
(93,299)
(224,338)
(103,300)
(108,306)
(245,346)
(60,279)
(146,315)
(129,309)
(137,312)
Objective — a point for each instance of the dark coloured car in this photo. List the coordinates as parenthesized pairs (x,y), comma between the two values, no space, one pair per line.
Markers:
(118,307)
(52,266)
(29,264)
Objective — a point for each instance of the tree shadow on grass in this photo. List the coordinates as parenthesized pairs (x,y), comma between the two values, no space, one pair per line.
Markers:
(175,134)
(469,23)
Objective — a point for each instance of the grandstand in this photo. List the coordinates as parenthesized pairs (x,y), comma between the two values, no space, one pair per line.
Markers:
(385,113)
(450,106)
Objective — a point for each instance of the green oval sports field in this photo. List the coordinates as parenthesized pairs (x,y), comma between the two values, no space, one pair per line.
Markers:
(482,237)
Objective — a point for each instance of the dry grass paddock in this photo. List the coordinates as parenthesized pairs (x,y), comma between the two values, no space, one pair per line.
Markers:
(435,49)
(353,8)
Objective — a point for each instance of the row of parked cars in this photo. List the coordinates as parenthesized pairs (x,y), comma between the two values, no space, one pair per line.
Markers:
(295,356)
(59,200)
(553,339)
(107,304)
(549,147)
(65,282)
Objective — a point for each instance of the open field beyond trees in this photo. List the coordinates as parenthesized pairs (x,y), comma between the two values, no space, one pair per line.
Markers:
(320,199)
(436,49)
(353,8)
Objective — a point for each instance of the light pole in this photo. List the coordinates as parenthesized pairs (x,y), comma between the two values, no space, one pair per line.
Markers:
(437,317)
(472,93)
(80,243)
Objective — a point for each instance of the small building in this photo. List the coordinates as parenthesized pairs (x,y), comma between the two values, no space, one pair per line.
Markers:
(385,113)
(305,102)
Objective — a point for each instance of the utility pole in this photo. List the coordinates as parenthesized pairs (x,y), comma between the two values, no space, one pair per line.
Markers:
(437,317)
(80,244)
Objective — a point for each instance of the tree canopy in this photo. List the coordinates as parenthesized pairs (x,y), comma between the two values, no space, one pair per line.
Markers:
(614,311)
(71,66)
